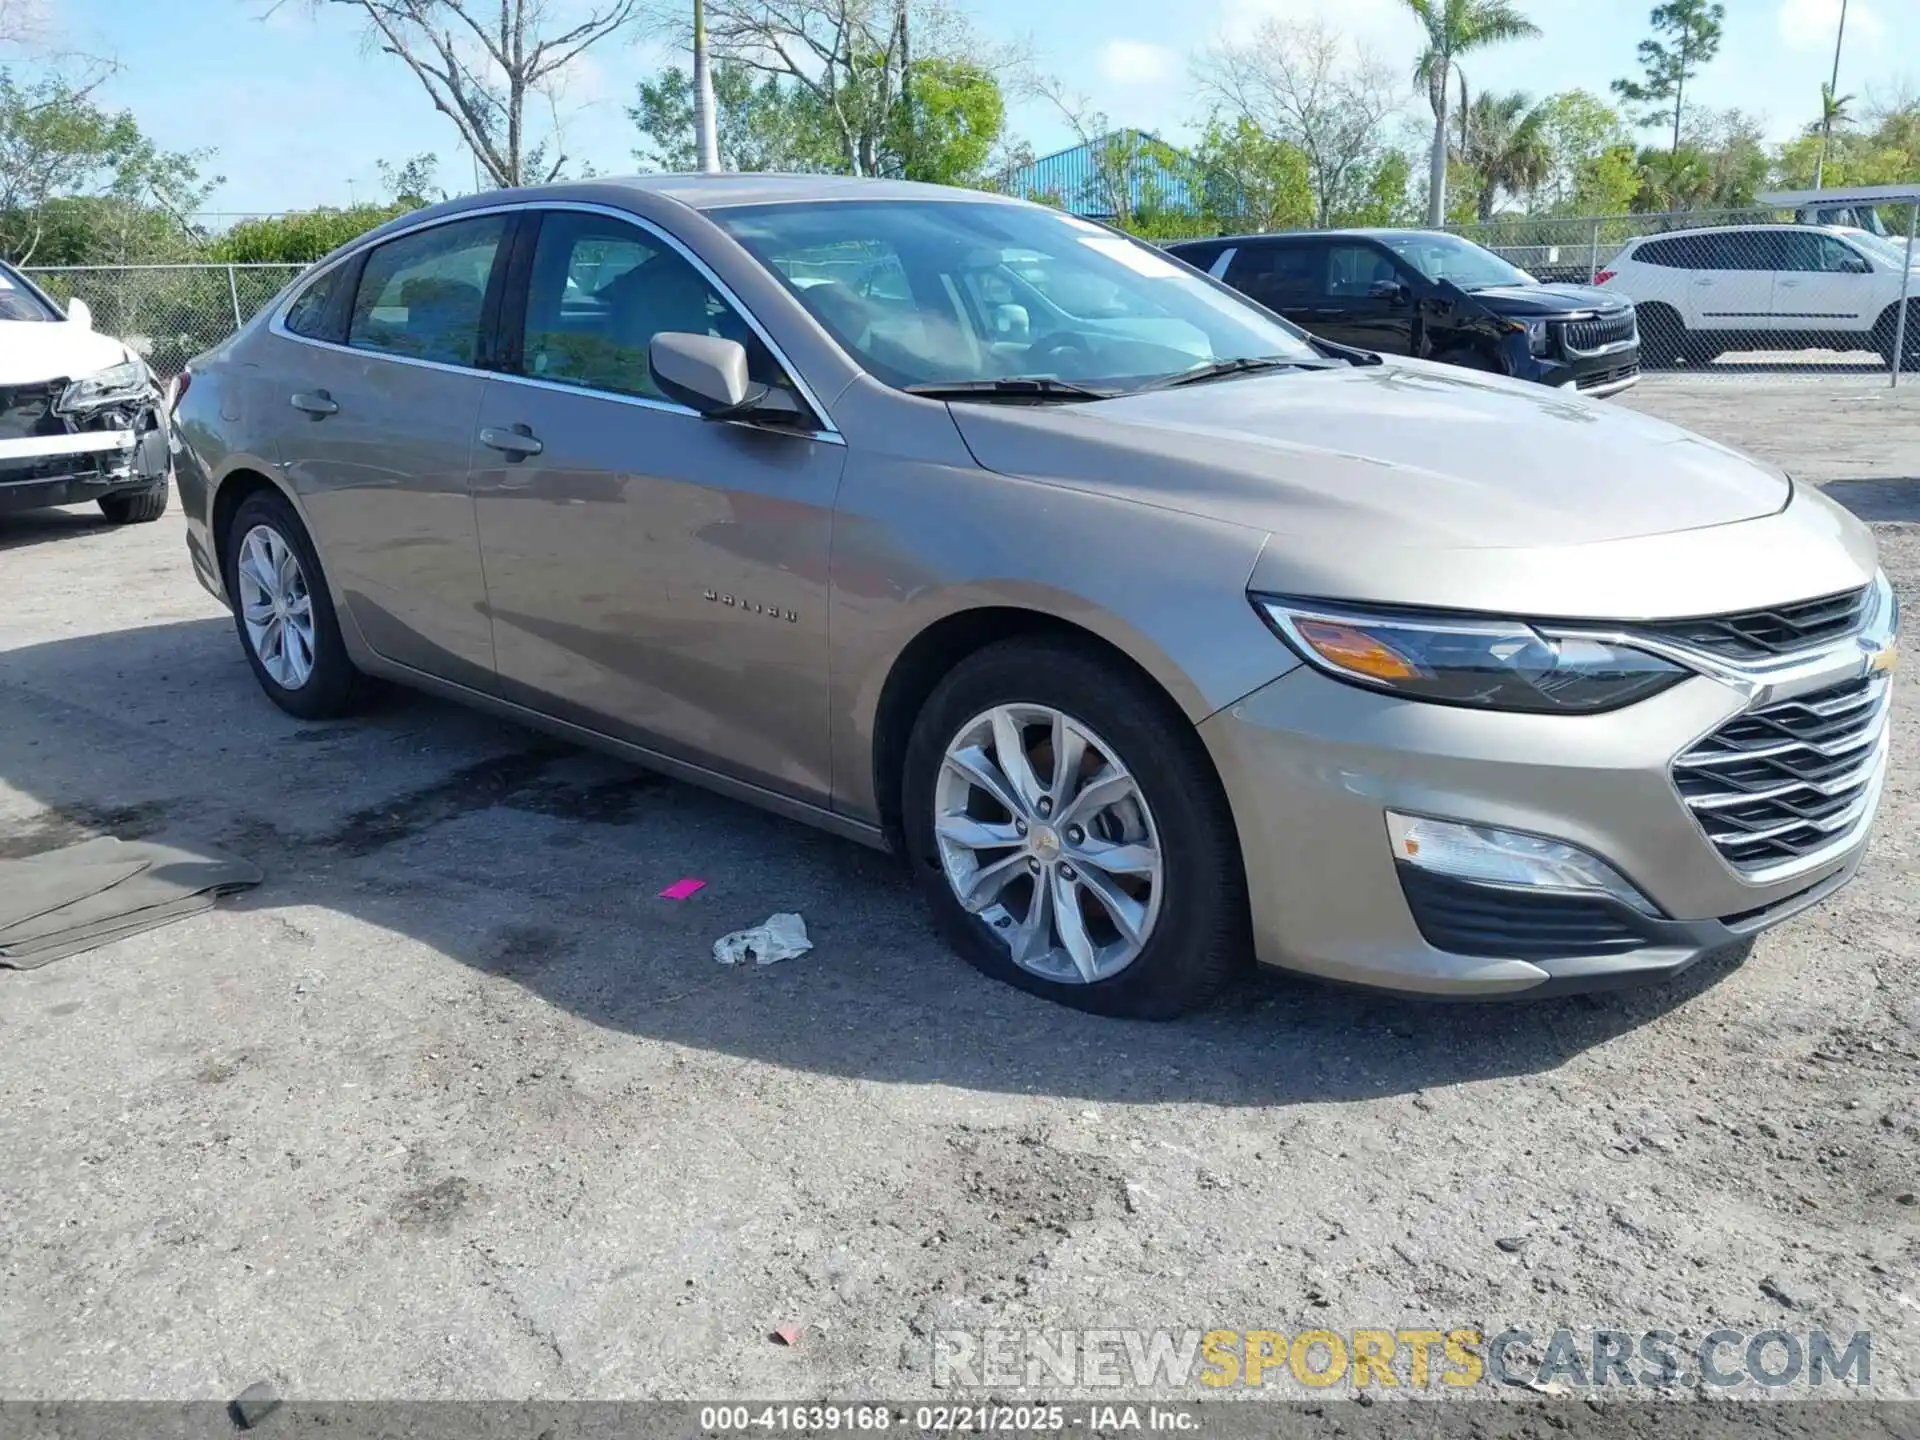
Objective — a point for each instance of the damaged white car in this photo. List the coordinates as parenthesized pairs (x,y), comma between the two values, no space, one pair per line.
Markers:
(81,416)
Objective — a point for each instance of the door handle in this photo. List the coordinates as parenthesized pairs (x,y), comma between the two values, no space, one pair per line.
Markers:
(516,443)
(1703,280)
(319,404)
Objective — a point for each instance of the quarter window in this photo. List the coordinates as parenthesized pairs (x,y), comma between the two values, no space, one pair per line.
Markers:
(422,296)
(601,289)
(309,315)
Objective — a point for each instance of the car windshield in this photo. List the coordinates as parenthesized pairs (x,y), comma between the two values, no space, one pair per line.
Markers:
(1448,257)
(935,293)
(17,302)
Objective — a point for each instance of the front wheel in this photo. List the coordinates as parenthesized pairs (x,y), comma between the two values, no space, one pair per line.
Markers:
(1887,333)
(135,507)
(1067,829)
(284,614)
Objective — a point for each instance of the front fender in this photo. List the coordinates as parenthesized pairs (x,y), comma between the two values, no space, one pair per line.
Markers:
(1166,589)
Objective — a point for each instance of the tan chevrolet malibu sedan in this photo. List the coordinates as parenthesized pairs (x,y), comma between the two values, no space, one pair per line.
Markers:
(1152,632)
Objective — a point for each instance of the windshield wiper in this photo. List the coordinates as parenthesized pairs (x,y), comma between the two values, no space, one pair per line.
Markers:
(1010,387)
(1221,369)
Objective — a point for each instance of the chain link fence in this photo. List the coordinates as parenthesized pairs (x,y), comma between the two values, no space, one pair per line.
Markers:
(1733,293)
(1743,292)
(167,313)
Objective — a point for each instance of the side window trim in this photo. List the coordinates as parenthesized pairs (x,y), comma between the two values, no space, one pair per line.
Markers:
(513,313)
(357,259)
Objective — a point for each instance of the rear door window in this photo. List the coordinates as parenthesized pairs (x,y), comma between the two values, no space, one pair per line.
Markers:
(1291,276)
(422,296)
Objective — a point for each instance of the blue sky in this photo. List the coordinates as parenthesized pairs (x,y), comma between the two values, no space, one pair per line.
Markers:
(298,109)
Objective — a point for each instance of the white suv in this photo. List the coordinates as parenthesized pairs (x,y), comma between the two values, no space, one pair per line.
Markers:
(1701,293)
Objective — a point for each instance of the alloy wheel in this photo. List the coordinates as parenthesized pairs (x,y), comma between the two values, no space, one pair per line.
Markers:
(276,607)
(1046,836)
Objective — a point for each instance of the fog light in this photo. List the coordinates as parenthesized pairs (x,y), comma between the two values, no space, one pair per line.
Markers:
(1506,857)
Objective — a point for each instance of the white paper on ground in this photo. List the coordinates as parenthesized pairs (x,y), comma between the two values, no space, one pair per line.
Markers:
(778,937)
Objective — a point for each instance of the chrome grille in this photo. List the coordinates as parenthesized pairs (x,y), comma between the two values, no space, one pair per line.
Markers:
(1583,337)
(1779,783)
(1762,634)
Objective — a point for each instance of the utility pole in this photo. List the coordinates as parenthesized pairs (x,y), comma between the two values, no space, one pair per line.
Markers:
(1827,102)
(706,134)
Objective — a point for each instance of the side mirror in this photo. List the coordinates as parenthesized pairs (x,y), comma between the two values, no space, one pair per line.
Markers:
(79,313)
(703,372)
(1391,291)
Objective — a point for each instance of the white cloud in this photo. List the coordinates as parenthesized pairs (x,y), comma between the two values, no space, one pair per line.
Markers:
(1812,24)
(1136,62)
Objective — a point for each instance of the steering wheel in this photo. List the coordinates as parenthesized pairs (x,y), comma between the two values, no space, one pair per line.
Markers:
(1059,342)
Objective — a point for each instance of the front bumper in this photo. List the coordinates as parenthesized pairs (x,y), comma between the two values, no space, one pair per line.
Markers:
(80,465)
(1595,376)
(1311,766)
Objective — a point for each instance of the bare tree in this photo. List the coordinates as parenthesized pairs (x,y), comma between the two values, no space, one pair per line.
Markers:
(1302,83)
(23,23)
(480,61)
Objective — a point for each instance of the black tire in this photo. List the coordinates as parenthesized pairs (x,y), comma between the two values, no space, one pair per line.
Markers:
(334,687)
(1662,337)
(1887,330)
(135,507)
(1202,932)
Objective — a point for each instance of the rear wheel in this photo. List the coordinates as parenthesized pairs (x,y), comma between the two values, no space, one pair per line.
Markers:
(1070,835)
(135,507)
(1662,337)
(284,614)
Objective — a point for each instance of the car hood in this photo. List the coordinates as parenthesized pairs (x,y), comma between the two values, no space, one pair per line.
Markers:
(33,350)
(1404,454)
(1548,299)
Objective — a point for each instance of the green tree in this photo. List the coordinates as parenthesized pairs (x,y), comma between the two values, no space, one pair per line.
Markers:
(301,236)
(57,145)
(769,122)
(1252,180)
(1692,28)
(1506,147)
(947,126)
(1607,183)
(1379,192)
(762,123)
(1455,28)
(1579,130)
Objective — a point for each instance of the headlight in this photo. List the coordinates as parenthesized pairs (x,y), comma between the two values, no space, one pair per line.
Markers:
(1880,618)
(125,381)
(1538,339)
(1488,664)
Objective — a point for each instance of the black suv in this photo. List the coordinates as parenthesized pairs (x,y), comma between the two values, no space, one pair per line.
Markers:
(1432,295)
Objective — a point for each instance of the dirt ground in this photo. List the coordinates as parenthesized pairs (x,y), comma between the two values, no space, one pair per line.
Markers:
(453,1106)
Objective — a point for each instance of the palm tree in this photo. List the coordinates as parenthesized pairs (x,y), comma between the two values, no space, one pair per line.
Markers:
(1833,111)
(705,129)
(1828,106)
(1504,143)
(1453,28)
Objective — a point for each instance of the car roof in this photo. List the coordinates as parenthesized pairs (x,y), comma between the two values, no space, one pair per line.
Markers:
(1758,228)
(1380,232)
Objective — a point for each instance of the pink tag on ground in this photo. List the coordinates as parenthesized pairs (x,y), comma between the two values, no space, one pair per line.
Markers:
(681,889)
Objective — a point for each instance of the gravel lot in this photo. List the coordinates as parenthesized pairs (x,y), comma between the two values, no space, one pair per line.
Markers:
(453,1106)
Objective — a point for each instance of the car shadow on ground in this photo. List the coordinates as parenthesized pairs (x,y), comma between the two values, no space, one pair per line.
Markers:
(41,527)
(1895,499)
(540,864)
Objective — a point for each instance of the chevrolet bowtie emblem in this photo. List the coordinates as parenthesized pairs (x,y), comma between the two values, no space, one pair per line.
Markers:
(1880,661)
